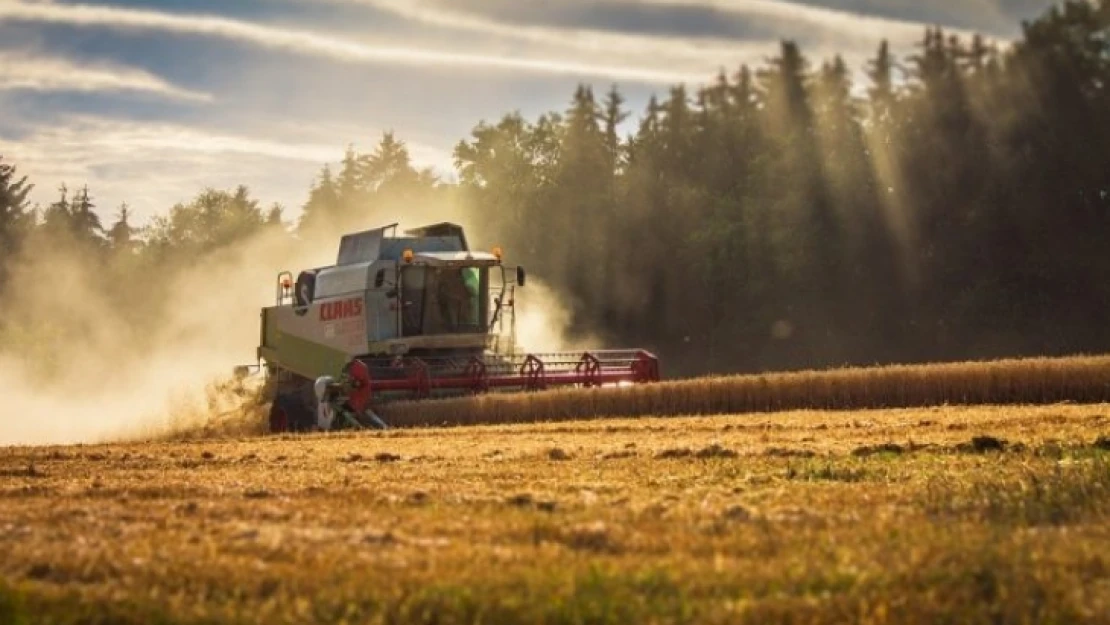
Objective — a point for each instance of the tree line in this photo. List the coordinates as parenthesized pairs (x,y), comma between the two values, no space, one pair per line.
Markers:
(955,204)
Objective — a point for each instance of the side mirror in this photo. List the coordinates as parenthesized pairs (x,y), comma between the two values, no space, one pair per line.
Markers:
(379,279)
(520,276)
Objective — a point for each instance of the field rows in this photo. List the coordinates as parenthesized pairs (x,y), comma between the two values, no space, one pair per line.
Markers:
(952,514)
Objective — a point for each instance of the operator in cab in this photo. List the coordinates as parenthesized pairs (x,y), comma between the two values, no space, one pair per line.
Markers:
(458,299)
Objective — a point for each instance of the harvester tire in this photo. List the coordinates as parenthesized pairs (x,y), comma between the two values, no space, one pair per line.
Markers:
(287,414)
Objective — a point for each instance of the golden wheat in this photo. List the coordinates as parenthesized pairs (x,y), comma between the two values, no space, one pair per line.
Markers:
(1078,379)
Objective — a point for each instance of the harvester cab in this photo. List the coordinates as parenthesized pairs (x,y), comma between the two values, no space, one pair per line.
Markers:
(410,316)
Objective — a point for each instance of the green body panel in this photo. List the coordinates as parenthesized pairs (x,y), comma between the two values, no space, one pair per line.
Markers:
(302,356)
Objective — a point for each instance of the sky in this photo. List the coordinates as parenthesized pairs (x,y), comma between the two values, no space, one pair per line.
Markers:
(148,102)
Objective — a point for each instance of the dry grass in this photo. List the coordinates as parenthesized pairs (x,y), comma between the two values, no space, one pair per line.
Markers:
(1032,381)
(939,515)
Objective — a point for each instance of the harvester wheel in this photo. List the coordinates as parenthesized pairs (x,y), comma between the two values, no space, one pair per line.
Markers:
(289,415)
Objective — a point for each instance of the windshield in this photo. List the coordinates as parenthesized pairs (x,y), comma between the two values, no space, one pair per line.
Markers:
(445,300)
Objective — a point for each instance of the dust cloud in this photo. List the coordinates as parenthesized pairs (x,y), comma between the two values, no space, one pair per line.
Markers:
(543,321)
(85,360)
(126,361)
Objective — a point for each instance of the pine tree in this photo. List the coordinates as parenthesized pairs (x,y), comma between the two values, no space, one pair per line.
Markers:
(57,218)
(880,71)
(84,221)
(349,189)
(122,234)
(583,197)
(323,205)
(389,164)
(16,219)
(784,82)
(15,216)
(615,115)
(677,133)
(275,216)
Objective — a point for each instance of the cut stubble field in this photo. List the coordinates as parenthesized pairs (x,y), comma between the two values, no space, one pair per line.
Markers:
(924,515)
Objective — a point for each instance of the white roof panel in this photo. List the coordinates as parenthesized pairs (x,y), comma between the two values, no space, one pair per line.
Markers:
(435,258)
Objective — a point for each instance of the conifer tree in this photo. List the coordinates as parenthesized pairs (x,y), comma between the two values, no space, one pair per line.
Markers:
(15,216)
(323,205)
(121,235)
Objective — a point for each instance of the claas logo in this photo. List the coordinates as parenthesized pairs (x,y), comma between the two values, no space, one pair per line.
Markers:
(332,311)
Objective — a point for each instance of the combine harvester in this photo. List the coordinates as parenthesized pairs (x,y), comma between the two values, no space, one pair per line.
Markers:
(409,318)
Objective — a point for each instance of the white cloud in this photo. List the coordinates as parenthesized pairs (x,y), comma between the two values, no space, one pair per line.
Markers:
(26,72)
(819,18)
(553,50)
(803,18)
(822,32)
(152,166)
(692,54)
(327,46)
(999,18)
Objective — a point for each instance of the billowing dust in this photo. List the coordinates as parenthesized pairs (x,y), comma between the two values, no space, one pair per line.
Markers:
(154,357)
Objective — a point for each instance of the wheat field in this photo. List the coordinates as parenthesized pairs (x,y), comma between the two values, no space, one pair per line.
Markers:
(958,514)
